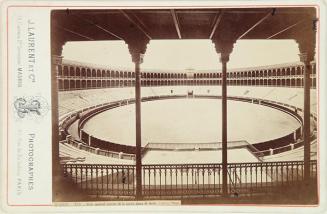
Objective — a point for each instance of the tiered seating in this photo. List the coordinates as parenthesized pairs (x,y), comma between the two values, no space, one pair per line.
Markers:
(71,154)
(293,155)
(70,101)
(74,100)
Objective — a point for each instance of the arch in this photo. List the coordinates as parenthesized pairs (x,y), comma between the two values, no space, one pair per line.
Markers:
(88,72)
(283,82)
(98,73)
(293,82)
(60,84)
(299,70)
(94,84)
(125,74)
(112,83)
(71,71)
(117,74)
(112,74)
(78,72)
(261,82)
(72,84)
(59,67)
(66,85)
(65,71)
(84,84)
(98,84)
(121,74)
(278,82)
(78,84)
(103,74)
(94,73)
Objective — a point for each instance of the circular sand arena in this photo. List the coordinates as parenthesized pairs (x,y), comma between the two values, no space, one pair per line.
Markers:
(191,121)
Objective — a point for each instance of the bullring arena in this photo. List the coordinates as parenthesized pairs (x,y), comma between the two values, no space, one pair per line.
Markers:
(101,135)
(237,135)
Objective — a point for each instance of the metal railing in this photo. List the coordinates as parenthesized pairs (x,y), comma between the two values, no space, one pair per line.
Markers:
(189,180)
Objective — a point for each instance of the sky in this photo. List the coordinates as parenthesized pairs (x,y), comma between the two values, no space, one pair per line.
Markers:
(183,54)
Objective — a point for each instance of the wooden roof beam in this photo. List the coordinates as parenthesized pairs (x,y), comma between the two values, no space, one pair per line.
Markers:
(285,29)
(271,13)
(217,21)
(75,33)
(176,23)
(136,24)
(99,27)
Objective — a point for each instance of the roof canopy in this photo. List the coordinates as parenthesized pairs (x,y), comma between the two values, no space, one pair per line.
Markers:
(224,25)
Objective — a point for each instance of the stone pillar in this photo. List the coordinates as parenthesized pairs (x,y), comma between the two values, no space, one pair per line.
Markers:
(137,50)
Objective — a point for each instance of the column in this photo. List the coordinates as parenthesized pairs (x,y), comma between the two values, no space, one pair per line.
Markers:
(224,59)
(224,47)
(137,50)
(306,114)
(307,52)
(56,59)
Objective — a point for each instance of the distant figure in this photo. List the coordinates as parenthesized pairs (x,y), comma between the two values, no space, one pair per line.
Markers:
(171,91)
(208,91)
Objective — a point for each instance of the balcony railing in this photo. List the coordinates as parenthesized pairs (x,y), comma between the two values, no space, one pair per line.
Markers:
(188,180)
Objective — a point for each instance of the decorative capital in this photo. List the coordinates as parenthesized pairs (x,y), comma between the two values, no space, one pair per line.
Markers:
(303,57)
(137,48)
(224,48)
(307,43)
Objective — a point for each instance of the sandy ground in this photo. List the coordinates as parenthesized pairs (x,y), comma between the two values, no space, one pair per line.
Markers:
(191,121)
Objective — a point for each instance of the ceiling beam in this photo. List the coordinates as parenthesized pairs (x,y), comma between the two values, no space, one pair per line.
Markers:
(217,21)
(75,33)
(176,23)
(285,29)
(271,13)
(98,26)
(136,24)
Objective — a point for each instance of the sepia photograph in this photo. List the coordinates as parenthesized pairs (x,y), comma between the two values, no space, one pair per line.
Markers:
(188,105)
